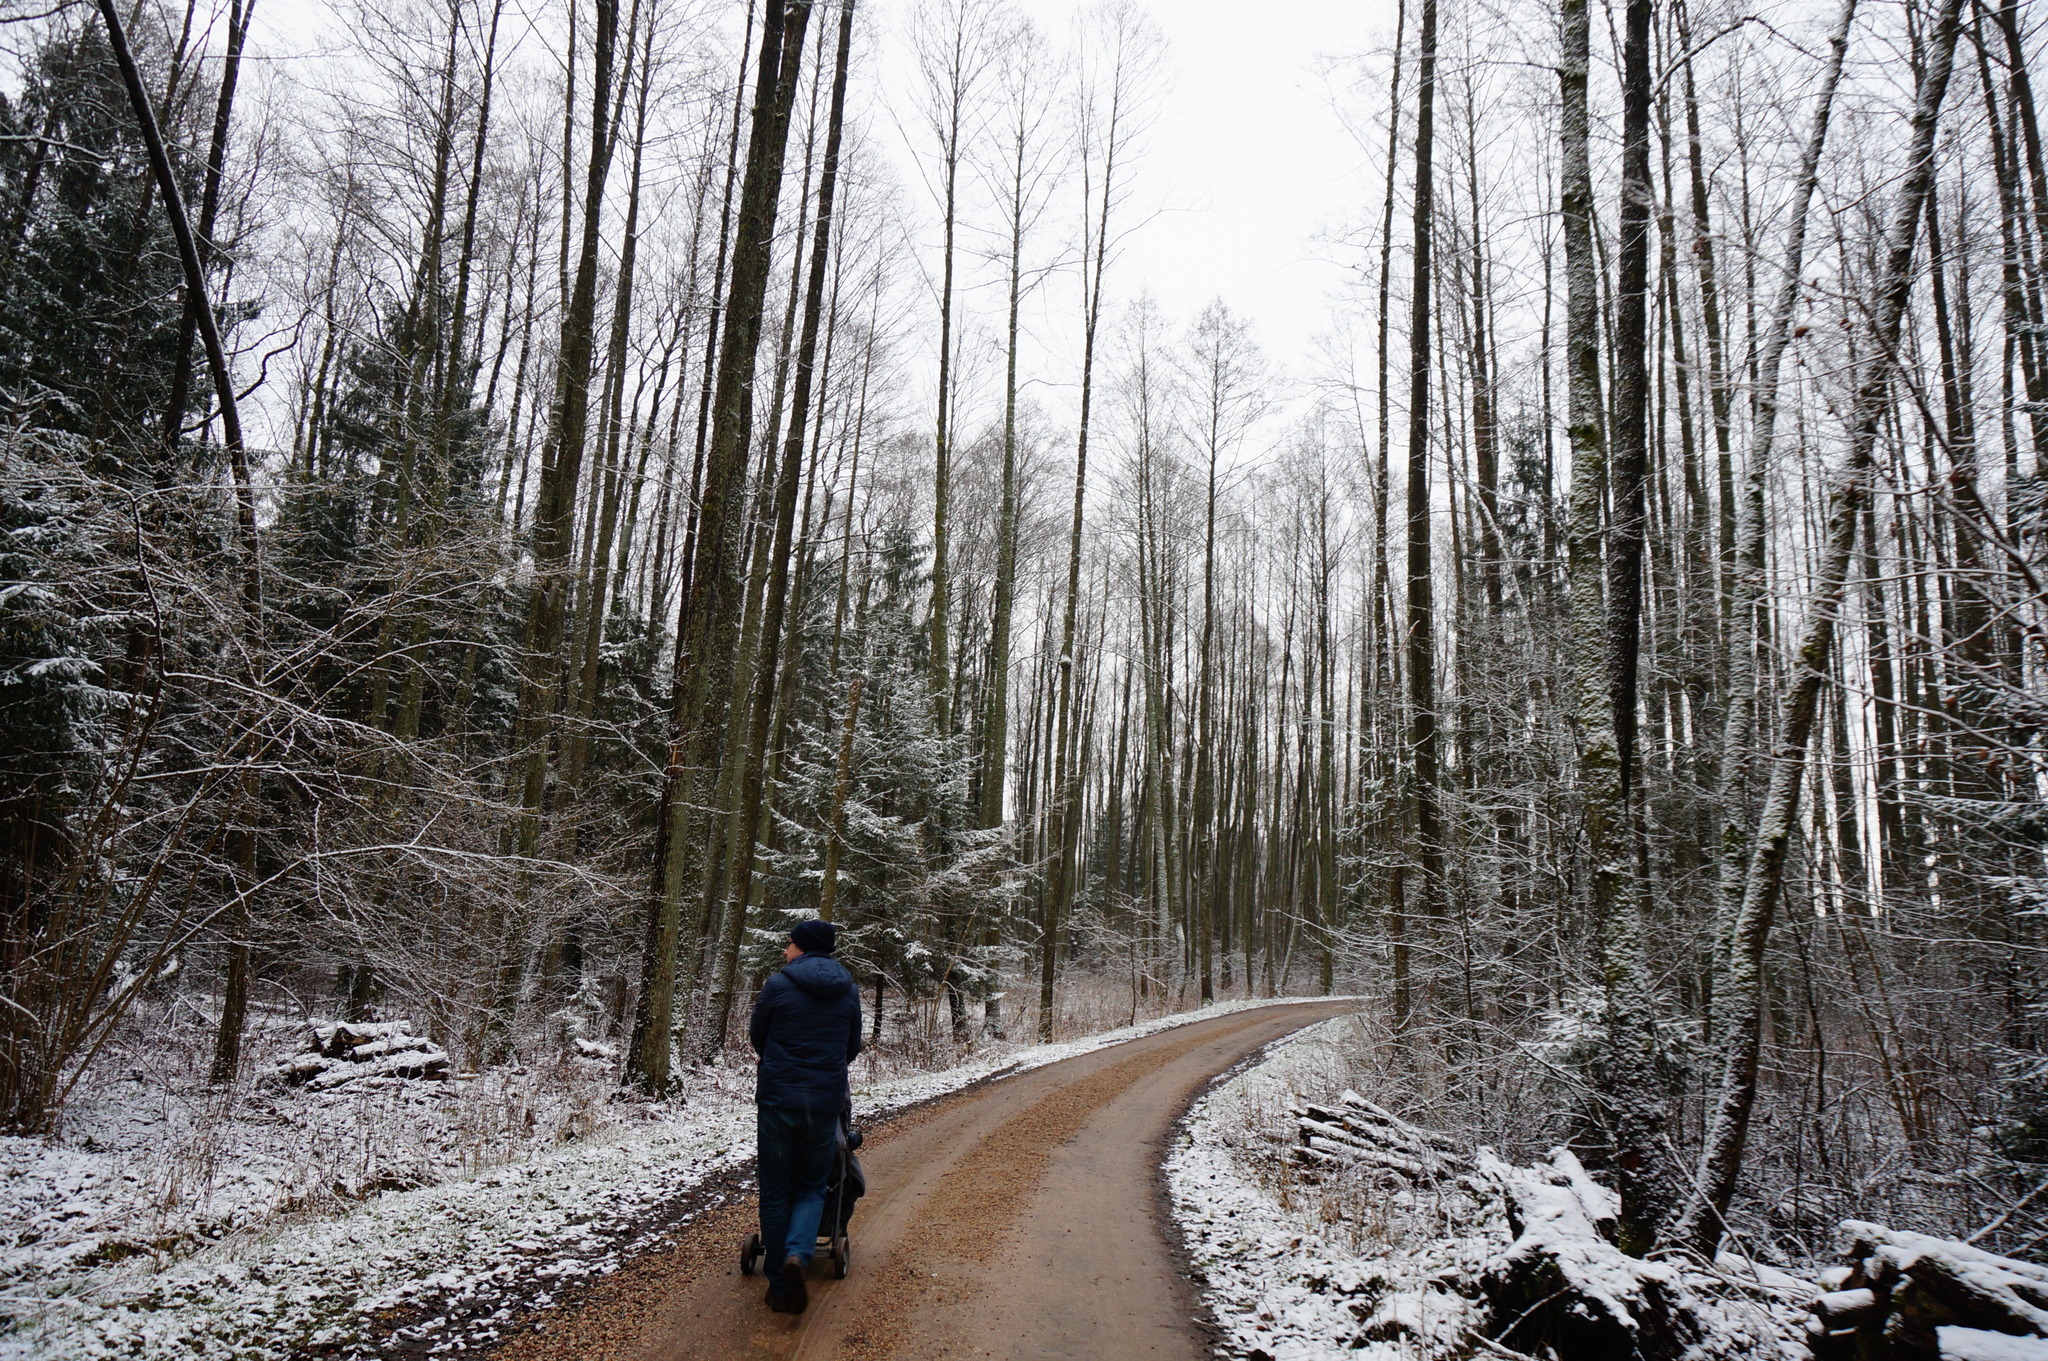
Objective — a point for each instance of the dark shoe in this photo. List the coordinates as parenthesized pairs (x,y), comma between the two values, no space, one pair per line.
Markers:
(777,1299)
(795,1295)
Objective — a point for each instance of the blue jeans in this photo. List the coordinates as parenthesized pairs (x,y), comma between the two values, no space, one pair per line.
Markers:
(796,1149)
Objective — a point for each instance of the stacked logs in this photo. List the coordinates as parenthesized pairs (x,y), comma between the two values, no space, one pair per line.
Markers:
(341,1052)
(1561,1287)
(1911,1297)
(1356,1133)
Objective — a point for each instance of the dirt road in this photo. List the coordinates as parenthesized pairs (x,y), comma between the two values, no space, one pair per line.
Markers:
(1023,1219)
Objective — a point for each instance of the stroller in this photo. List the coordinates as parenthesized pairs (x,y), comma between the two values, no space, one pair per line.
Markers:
(845,1186)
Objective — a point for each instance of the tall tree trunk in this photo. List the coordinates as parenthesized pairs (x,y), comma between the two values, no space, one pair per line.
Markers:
(1378,586)
(707,632)
(1634,1106)
(1326,751)
(1703,1222)
(787,479)
(957,66)
(1063,793)
(1706,264)
(239,15)
(598,586)
(1420,624)
(709,367)
(242,840)
(2007,17)
(562,465)
(1203,830)
(1744,622)
(993,776)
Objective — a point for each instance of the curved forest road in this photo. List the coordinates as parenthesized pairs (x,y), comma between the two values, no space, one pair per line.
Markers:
(1020,1219)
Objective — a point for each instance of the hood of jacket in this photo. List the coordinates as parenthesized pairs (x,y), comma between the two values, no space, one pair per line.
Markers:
(821,976)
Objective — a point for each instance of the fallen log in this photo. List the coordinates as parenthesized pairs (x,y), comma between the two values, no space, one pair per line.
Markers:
(1562,1285)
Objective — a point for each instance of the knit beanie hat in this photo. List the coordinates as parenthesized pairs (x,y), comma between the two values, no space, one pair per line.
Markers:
(815,937)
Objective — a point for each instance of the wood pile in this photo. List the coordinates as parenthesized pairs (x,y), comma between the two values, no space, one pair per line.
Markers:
(1912,1297)
(336,1053)
(1355,1133)
(1562,1288)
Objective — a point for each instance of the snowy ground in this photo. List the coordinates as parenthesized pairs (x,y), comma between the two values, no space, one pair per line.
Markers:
(387,1212)
(1301,1271)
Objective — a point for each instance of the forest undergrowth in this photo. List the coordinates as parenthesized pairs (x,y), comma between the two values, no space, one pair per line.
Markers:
(1812,1170)
(1304,1258)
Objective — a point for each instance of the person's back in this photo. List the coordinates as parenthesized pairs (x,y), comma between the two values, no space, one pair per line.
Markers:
(806,1028)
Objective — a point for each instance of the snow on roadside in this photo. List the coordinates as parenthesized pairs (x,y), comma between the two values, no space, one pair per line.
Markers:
(1278,1276)
(153,1160)
(1294,1270)
(462,1256)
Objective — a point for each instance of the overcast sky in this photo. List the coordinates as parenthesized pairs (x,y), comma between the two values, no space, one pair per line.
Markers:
(1249,161)
(1245,170)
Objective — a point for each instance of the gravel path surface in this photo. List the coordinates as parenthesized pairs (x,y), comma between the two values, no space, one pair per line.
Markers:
(1021,1219)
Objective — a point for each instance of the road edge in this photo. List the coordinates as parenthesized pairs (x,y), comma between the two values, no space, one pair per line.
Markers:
(1190,1279)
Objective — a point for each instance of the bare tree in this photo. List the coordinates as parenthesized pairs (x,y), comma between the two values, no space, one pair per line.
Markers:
(1118,67)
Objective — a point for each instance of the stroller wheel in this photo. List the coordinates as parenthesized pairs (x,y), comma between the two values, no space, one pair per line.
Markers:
(842,1251)
(750,1253)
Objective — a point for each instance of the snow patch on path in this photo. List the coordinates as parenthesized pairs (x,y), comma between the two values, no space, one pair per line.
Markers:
(462,1259)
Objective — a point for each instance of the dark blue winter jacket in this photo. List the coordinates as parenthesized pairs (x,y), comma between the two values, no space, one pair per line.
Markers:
(806,1028)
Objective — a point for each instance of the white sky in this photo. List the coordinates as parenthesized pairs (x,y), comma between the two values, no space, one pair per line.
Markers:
(1249,161)
(1244,170)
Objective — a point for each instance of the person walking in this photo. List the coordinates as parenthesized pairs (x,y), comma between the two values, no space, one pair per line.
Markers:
(806,1029)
